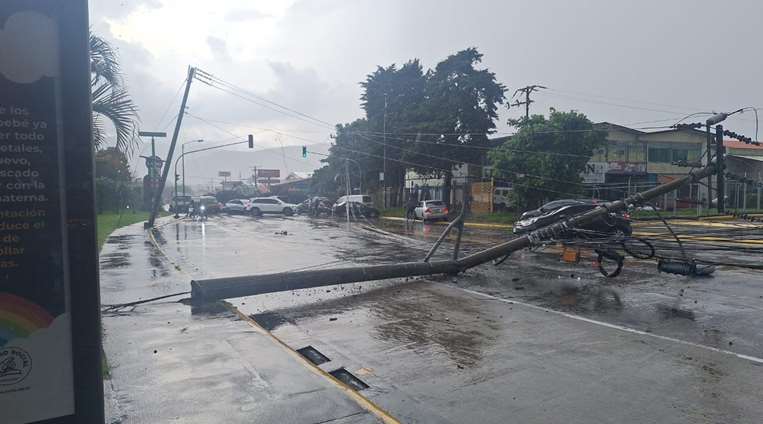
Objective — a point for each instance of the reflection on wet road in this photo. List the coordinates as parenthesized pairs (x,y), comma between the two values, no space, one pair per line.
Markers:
(433,352)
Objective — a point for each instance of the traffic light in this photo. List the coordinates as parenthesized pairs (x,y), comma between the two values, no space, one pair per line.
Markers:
(251,141)
(177,177)
(304,151)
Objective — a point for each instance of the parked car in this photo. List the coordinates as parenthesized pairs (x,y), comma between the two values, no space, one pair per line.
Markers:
(237,206)
(501,198)
(180,204)
(356,198)
(357,210)
(554,205)
(323,206)
(271,205)
(210,203)
(559,210)
(431,210)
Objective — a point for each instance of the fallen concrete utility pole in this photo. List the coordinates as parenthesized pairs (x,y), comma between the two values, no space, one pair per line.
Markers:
(224,288)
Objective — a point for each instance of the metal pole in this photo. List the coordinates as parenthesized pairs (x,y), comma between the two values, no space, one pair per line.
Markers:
(759,183)
(153,155)
(347,190)
(744,194)
(384,165)
(182,154)
(708,156)
(720,179)
(222,288)
(444,234)
(158,195)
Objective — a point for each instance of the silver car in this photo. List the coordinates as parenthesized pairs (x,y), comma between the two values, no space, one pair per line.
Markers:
(431,210)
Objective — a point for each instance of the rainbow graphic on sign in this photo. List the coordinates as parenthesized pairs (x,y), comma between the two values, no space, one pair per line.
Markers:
(20,318)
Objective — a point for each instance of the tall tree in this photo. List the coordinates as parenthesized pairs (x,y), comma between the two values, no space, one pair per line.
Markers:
(545,158)
(112,163)
(422,119)
(460,110)
(393,100)
(110,98)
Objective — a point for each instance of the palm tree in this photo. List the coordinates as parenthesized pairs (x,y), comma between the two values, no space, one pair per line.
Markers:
(110,99)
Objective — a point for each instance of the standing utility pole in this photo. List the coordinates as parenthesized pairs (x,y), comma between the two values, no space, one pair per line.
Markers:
(526,90)
(719,158)
(709,159)
(347,188)
(165,171)
(384,166)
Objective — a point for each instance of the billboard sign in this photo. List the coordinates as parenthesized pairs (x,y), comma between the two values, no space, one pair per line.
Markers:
(49,327)
(268,173)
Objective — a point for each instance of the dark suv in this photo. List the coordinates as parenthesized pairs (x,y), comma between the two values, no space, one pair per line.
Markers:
(559,210)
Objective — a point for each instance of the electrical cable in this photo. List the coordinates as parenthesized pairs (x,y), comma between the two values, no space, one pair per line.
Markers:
(114,307)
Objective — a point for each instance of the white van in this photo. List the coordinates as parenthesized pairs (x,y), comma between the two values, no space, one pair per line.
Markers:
(356,198)
(501,198)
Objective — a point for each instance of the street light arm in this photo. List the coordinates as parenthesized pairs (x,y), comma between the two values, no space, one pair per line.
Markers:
(207,148)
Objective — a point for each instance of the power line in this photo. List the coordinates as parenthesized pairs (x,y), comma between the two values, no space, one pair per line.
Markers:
(174,99)
(458,161)
(216,82)
(445,170)
(488,148)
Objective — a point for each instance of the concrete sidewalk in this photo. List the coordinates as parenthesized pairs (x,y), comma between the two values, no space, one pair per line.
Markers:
(169,362)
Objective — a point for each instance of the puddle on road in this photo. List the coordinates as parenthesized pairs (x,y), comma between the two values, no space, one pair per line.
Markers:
(114,260)
(269,320)
(420,317)
(427,321)
(672,311)
(209,309)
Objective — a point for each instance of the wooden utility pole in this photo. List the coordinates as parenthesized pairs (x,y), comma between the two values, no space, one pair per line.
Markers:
(526,90)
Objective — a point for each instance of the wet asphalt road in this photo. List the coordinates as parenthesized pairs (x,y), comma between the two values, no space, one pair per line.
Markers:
(534,339)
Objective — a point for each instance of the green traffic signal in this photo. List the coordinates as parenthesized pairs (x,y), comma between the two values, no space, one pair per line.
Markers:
(304,151)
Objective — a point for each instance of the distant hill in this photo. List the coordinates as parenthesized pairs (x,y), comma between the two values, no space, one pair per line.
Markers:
(203,167)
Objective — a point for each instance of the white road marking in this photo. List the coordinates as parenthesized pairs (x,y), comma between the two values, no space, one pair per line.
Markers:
(617,327)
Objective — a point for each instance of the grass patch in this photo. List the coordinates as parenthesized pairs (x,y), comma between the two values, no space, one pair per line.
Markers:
(110,221)
(393,212)
(685,213)
(506,218)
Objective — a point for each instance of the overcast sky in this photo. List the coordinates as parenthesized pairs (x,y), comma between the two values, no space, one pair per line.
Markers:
(639,63)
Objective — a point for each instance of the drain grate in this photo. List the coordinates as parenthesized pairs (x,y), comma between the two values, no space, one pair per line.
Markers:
(349,379)
(313,355)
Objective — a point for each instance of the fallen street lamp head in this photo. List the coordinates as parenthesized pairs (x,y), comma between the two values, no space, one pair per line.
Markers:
(717,118)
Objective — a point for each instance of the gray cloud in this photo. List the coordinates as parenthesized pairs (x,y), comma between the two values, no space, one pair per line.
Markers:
(219,48)
(245,15)
(115,9)
(624,62)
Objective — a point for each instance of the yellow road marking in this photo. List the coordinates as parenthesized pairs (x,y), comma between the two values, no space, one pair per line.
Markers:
(690,223)
(361,400)
(663,236)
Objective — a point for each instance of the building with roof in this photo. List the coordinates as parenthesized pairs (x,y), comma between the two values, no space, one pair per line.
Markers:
(633,160)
